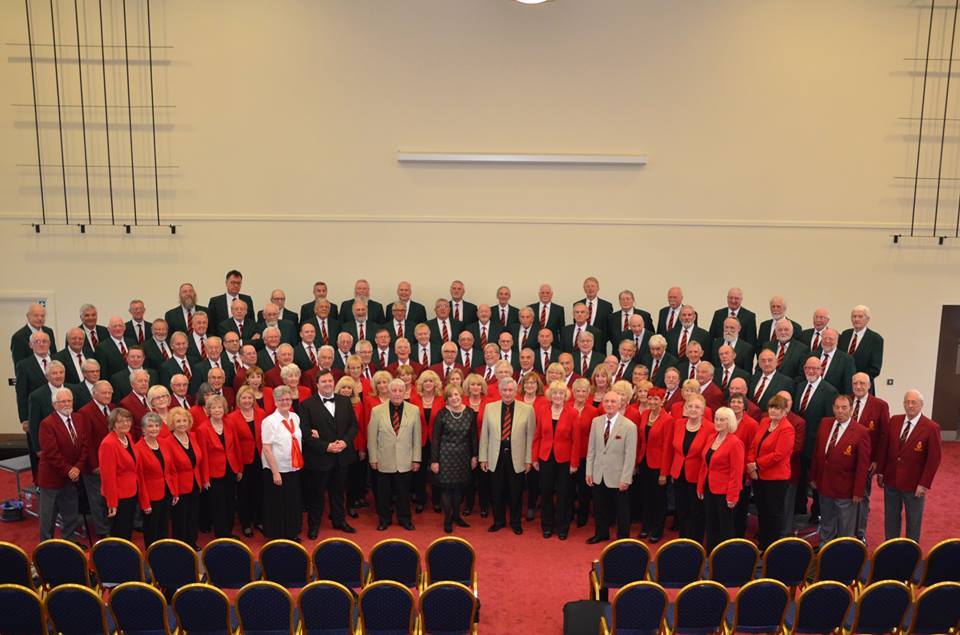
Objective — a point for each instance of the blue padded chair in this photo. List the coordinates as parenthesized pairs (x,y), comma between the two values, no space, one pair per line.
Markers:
(116,561)
(397,560)
(451,559)
(638,608)
(173,564)
(937,610)
(265,608)
(787,560)
(678,563)
(840,560)
(285,562)
(21,612)
(447,608)
(733,562)
(340,560)
(60,562)
(942,563)
(327,608)
(894,559)
(386,608)
(821,608)
(77,610)
(229,563)
(140,609)
(15,566)
(881,607)
(699,609)
(760,607)
(202,609)
(620,563)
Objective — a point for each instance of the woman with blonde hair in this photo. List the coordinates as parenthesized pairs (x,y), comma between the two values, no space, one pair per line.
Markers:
(688,388)
(531,390)
(246,420)
(189,466)
(158,398)
(721,477)
(254,378)
(556,452)
(455,445)
(353,368)
(600,382)
(347,386)
(409,376)
(683,459)
(475,398)
(586,412)
(224,467)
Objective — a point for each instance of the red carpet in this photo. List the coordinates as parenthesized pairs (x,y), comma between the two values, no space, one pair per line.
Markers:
(525,580)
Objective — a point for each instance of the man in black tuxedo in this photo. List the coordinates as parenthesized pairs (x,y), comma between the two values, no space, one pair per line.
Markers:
(137,328)
(812,400)
(546,353)
(156,348)
(546,313)
(572,332)
(669,317)
(271,317)
(726,368)
(83,389)
(20,340)
(525,331)
(736,310)
(73,355)
(362,327)
(413,310)
(113,350)
(659,360)
(790,352)
(120,380)
(619,323)
(400,325)
(505,313)
(91,330)
(461,310)
(686,332)
(598,310)
(425,351)
(742,349)
(307,310)
(812,336)
(443,328)
(328,328)
(279,298)
(778,311)
(767,380)
(361,291)
(329,428)
(864,344)
(585,358)
(837,366)
(485,329)
(180,317)
(219,305)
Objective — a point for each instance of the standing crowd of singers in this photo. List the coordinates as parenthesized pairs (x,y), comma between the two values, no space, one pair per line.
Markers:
(206,417)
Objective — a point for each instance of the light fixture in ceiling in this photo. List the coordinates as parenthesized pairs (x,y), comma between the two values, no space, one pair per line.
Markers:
(532,1)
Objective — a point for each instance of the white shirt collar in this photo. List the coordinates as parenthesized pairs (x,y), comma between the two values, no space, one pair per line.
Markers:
(860,333)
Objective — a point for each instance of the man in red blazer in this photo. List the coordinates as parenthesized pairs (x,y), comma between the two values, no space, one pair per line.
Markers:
(63,454)
(217,378)
(710,391)
(95,414)
(402,350)
(271,378)
(136,401)
(448,352)
(907,464)
(873,414)
(838,471)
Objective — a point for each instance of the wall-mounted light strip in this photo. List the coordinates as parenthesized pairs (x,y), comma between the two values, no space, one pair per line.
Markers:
(542,159)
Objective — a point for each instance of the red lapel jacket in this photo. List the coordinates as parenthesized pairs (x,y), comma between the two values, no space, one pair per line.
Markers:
(584,422)
(841,472)
(132,403)
(875,417)
(655,440)
(150,479)
(219,455)
(564,442)
(187,476)
(118,470)
(724,475)
(689,464)
(915,462)
(96,430)
(249,443)
(58,452)
(772,456)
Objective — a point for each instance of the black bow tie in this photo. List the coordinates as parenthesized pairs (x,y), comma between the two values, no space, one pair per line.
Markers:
(327,399)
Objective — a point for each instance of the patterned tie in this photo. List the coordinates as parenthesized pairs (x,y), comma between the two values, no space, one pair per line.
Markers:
(79,361)
(606,431)
(806,398)
(72,431)
(853,345)
(123,350)
(488,375)
(626,321)
(424,357)
(523,339)
(670,321)
(324,334)
(682,349)
(656,367)
(445,333)
(856,411)
(456,311)
(190,321)
(44,362)
(546,361)
(726,378)
(361,333)
(313,357)
(163,349)
(834,437)
(816,341)
(543,315)
(399,330)
(93,338)
(106,411)
(780,353)
(620,371)
(466,359)
(824,363)
(507,426)
(589,311)
(576,338)
(583,365)
(395,420)
(905,433)
(186,371)
(383,360)
(693,372)
(203,348)
(760,388)
(446,371)
(273,354)
(139,334)
(483,337)
(503,317)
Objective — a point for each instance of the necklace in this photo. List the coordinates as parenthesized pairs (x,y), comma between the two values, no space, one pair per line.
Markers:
(455,414)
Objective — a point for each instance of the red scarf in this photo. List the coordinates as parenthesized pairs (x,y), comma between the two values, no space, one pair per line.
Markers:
(296,456)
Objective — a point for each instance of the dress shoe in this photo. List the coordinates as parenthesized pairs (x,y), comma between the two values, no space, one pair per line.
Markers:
(447,528)
(382,526)
(581,522)
(345,527)
(296,539)
(467,511)
(407,525)
(352,513)
(437,509)
(654,539)
(517,529)
(644,534)
(531,513)
(547,533)
(562,535)
(484,513)
(419,508)
(592,540)
(248,532)
(312,533)
(459,522)
(495,527)
(814,520)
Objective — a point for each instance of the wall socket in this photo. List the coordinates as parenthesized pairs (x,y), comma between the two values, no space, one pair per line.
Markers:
(890,382)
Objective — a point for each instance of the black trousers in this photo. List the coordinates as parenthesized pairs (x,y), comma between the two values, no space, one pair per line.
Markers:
(742,510)
(654,511)
(184,518)
(390,487)
(719,519)
(450,498)
(803,486)
(330,483)
(356,481)
(250,494)
(506,484)
(584,493)
(420,478)
(121,525)
(690,515)
(770,511)
(156,524)
(282,505)
(478,487)
(223,503)
(555,482)
(531,483)
(610,504)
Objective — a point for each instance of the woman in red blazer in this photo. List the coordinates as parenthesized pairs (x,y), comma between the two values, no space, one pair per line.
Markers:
(349,387)
(156,478)
(682,462)
(118,473)
(656,428)
(586,412)
(190,470)
(426,396)
(556,454)
(224,467)
(747,428)
(768,463)
(245,421)
(721,477)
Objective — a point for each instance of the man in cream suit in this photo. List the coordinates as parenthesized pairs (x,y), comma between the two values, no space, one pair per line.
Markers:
(506,444)
(393,448)
(609,470)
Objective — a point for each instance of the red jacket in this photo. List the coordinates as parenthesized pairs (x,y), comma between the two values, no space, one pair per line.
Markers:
(416,366)
(584,423)
(118,470)
(656,438)
(675,461)
(724,475)
(269,405)
(564,442)
(713,395)
(150,480)
(915,462)
(799,438)
(249,443)
(132,403)
(58,452)
(773,455)
(875,417)
(841,472)
(96,430)
(218,456)
(746,431)
(308,377)
(676,397)
(426,427)
(187,476)
(438,369)
(632,412)
(360,441)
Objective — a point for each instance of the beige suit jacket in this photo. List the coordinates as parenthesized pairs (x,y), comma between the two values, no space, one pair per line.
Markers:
(611,463)
(521,438)
(394,452)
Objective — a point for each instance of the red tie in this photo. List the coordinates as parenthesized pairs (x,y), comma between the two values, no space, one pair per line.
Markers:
(503,317)
(186,370)
(203,349)
(546,361)
(72,431)
(856,411)
(296,455)
(670,321)
(399,330)
(445,334)
(323,334)
(523,339)
(543,315)
(123,350)
(395,420)
(816,341)
(576,338)
(726,378)
(853,345)
(96,342)
(466,359)
(682,349)
(383,360)
(139,334)
(824,363)
(806,399)
(236,363)
(656,367)
(606,431)
(488,374)
(80,361)
(760,388)
(456,311)
(620,371)
(589,311)
(163,349)
(507,425)
(313,358)
(693,372)
(483,336)
(360,333)
(190,321)
(833,437)
(424,358)
(626,321)
(780,354)
(584,365)
(44,361)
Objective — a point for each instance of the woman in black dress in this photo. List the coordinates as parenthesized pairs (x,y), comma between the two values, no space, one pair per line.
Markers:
(454,450)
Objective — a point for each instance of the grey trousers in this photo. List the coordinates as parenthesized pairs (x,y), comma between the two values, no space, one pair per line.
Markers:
(788,509)
(838,518)
(865,508)
(65,502)
(98,506)
(893,501)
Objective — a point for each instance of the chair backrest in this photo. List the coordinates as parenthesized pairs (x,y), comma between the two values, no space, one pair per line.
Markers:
(387,606)
(942,563)
(21,612)
(639,607)
(447,607)
(75,609)
(228,563)
(881,607)
(339,560)
(894,559)
(733,562)
(285,562)
(326,607)
(700,607)
(115,561)
(760,606)
(60,562)
(679,563)
(15,565)
(397,560)
(840,560)
(451,559)
(622,562)
(203,608)
(937,609)
(173,564)
(787,560)
(265,607)
(139,608)
(822,607)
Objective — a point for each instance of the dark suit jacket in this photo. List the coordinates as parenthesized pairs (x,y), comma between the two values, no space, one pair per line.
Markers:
(408,328)
(29,376)
(40,406)
(696,334)
(172,367)
(435,357)
(513,314)
(218,311)
(667,361)
(20,343)
(493,332)
(130,333)
(566,338)
(246,336)
(746,317)
(778,381)
(416,313)
(869,354)
(390,355)
(662,319)
(286,314)
(683,366)
(793,358)
(469,312)
(302,359)
(370,329)
(176,321)
(110,358)
(154,356)
(202,368)
(307,311)
(737,372)
(342,426)
(819,406)
(375,312)
(765,332)
(102,334)
(81,395)
(807,337)
(595,360)
(602,310)
(120,381)
(743,351)
(555,320)
(64,356)
(840,371)
(288,333)
(615,330)
(264,360)
(436,334)
(538,357)
(531,336)
(333,330)
(642,355)
(476,356)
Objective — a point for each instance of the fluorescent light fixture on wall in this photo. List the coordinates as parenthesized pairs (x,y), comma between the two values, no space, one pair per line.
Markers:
(532,1)
(512,158)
